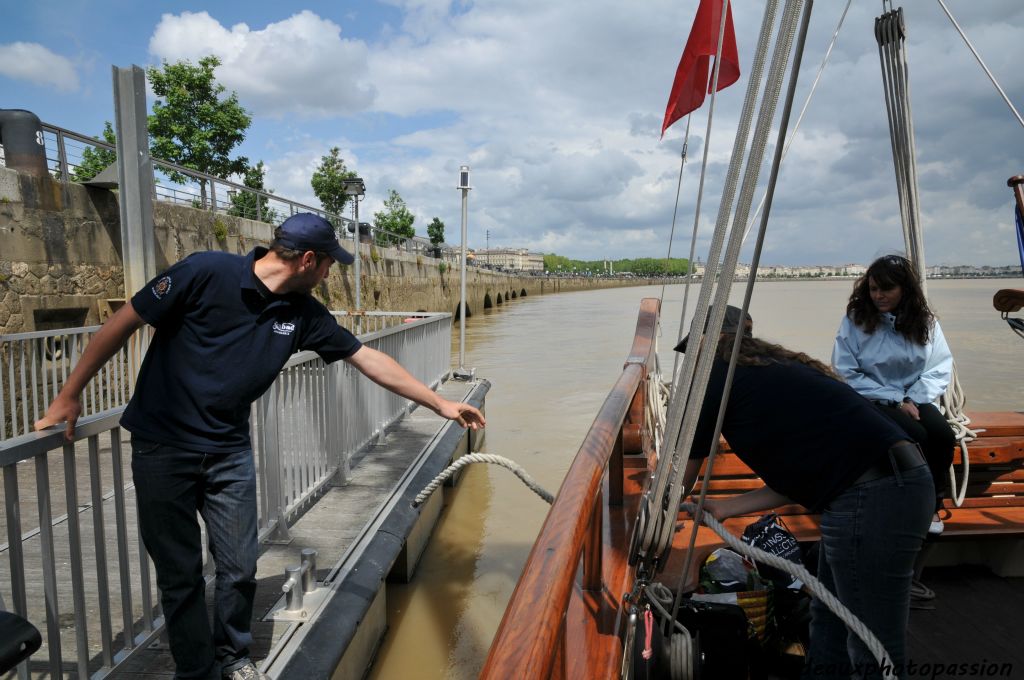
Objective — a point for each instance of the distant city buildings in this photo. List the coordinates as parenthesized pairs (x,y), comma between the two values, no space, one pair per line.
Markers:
(523,260)
(516,259)
(941,271)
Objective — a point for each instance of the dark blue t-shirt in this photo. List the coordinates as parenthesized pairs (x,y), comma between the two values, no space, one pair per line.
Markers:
(221,339)
(807,435)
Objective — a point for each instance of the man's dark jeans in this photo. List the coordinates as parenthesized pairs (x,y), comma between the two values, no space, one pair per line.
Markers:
(171,486)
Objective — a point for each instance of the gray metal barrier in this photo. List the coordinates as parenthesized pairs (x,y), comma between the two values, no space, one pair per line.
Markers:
(73,562)
(34,366)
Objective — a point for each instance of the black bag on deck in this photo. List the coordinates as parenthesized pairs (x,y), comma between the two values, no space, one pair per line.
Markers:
(769,534)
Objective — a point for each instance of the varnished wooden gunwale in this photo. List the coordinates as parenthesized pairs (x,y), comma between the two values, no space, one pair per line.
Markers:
(533,638)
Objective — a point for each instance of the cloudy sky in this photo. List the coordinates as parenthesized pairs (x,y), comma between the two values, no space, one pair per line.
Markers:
(557,108)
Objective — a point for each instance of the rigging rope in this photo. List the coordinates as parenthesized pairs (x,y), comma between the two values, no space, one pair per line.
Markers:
(803,109)
(706,355)
(675,210)
(981,62)
(767,113)
(703,174)
(890,32)
(654,513)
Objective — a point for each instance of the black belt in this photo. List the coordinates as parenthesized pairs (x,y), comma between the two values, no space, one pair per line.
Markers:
(901,456)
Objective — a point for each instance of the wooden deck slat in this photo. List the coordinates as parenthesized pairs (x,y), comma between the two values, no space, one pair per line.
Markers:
(998,423)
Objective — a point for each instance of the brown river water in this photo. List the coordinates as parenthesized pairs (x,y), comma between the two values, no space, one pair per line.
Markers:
(551,361)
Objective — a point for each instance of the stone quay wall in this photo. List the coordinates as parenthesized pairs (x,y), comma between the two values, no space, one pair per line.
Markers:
(60,260)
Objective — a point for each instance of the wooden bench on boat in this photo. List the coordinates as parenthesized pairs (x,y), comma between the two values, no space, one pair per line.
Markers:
(993,505)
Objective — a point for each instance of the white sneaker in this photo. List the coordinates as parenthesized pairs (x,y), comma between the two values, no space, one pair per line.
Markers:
(246,672)
(936,527)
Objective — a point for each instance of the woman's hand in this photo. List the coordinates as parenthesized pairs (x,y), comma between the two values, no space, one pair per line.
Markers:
(712,508)
(910,408)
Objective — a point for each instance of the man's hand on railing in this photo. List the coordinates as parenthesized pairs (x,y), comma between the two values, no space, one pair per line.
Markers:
(65,408)
(67,405)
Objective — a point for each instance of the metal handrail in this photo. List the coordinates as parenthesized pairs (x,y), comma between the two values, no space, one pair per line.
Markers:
(529,642)
(306,430)
(34,366)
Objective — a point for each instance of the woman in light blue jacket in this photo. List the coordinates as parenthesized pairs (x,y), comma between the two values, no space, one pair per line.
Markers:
(890,349)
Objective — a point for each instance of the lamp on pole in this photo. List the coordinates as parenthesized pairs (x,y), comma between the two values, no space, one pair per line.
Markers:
(462,373)
(355,188)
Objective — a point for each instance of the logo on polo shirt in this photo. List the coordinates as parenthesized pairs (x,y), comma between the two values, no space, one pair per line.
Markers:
(284,328)
(161,287)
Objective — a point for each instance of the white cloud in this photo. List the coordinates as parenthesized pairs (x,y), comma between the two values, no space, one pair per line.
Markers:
(557,108)
(36,64)
(300,65)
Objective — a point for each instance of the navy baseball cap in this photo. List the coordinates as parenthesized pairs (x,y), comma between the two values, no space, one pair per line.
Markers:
(730,324)
(306,231)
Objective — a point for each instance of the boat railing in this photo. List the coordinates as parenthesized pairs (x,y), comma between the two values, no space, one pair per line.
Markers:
(73,562)
(531,639)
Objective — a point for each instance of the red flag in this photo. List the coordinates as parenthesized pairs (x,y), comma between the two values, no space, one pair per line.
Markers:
(692,76)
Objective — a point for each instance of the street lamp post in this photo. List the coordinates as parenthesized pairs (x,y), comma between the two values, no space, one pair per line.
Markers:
(462,373)
(355,188)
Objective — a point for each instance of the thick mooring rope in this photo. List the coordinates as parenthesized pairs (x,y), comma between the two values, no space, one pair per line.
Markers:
(481,458)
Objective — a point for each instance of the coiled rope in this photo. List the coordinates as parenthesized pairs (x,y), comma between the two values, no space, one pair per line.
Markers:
(463,461)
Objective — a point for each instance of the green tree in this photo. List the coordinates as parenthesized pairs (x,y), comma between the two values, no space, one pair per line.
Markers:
(396,219)
(252,205)
(95,159)
(329,182)
(193,124)
(643,266)
(435,232)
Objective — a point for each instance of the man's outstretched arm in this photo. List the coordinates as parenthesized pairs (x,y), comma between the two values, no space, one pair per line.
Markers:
(67,405)
(389,374)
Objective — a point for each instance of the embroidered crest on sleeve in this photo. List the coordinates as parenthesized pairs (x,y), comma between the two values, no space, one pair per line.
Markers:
(162,287)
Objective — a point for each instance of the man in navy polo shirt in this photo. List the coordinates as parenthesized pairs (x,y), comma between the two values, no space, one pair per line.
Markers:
(225,326)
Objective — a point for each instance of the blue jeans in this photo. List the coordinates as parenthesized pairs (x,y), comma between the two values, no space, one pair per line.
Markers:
(171,486)
(870,536)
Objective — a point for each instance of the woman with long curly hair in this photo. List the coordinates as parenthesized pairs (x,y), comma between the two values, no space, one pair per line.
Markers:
(890,348)
(814,441)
